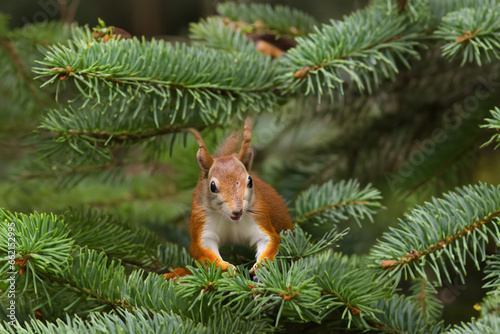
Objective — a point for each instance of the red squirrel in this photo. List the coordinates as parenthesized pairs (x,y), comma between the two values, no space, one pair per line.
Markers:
(232,206)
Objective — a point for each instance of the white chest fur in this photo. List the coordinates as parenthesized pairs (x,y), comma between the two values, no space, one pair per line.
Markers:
(220,230)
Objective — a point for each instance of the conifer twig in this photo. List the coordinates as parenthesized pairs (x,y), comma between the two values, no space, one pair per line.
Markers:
(415,255)
(123,136)
(328,207)
(83,290)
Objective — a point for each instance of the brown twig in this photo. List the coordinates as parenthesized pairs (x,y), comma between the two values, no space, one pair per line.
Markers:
(68,12)
(62,9)
(19,66)
(87,292)
(467,36)
(120,137)
(70,16)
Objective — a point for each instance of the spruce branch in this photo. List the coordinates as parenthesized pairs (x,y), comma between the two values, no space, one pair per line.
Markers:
(348,286)
(297,244)
(226,322)
(345,51)
(92,274)
(104,138)
(20,68)
(21,46)
(69,159)
(137,321)
(190,82)
(402,315)
(42,247)
(19,93)
(173,256)
(415,256)
(200,290)
(493,273)
(45,256)
(473,33)
(429,234)
(490,304)
(38,36)
(84,293)
(333,202)
(215,33)
(208,291)
(292,291)
(493,124)
(424,294)
(238,294)
(118,239)
(78,155)
(153,292)
(282,292)
(106,126)
(489,324)
(263,18)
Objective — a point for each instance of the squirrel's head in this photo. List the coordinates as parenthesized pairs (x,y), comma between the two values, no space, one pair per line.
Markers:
(227,183)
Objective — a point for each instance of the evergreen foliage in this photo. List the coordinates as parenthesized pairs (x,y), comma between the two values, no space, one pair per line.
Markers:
(440,231)
(424,294)
(494,124)
(335,202)
(111,108)
(364,52)
(472,32)
(19,94)
(215,33)
(278,19)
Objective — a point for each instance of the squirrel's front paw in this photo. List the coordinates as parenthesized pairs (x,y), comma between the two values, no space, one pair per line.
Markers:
(223,265)
(258,264)
(255,266)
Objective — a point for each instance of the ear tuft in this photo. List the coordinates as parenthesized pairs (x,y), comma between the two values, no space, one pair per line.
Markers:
(247,157)
(246,151)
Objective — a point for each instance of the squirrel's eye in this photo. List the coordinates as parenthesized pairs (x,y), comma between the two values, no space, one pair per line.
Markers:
(213,188)
(250,182)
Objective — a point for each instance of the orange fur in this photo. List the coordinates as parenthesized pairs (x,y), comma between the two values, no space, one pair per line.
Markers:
(178,272)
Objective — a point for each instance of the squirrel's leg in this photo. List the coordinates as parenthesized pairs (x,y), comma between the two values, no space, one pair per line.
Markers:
(178,272)
(208,251)
(267,248)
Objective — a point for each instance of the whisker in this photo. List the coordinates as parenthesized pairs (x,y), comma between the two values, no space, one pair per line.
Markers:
(255,212)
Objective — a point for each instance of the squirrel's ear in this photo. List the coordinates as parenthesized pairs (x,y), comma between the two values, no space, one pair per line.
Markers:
(204,158)
(246,151)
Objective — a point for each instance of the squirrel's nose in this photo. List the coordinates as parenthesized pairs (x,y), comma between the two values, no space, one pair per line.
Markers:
(237,213)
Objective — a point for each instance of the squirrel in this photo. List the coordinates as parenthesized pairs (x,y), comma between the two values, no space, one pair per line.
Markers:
(231,206)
